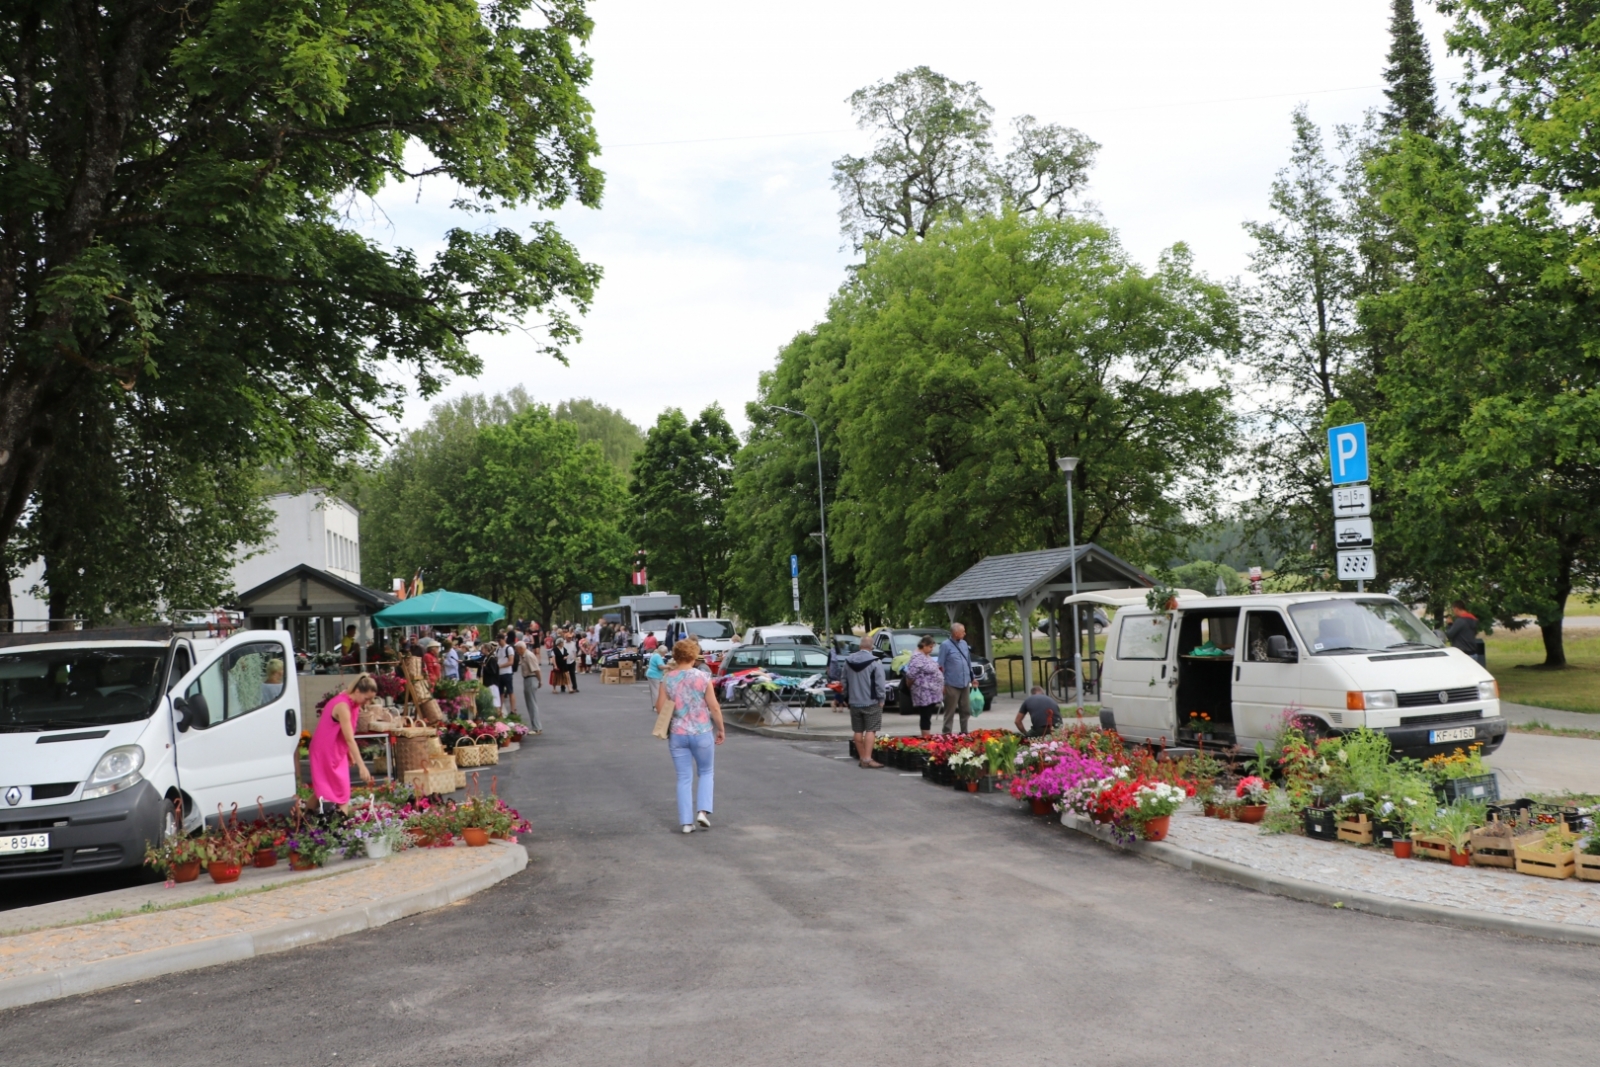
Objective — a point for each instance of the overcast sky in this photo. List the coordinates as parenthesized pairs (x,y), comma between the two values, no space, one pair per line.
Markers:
(719,234)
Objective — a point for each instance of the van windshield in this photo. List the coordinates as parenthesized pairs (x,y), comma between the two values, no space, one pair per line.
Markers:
(710,629)
(59,689)
(1333,627)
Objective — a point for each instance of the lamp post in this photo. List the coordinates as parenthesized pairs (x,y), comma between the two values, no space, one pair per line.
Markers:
(822,513)
(1068,464)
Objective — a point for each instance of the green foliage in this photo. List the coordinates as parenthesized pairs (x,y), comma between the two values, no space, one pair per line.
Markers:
(619,439)
(981,354)
(933,160)
(681,485)
(1202,575)
(179,271)
(1409,74)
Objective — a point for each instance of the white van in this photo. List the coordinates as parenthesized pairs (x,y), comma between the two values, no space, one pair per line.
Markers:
(784,633)
(111,738)
(715,636)
(1338,660)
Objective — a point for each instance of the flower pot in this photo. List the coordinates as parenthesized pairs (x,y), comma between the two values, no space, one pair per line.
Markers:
(1402,848)
(186,872)
(376,848)
(265,857)
(1041,806)
(1156,829)
(1250,812)
(1211,811)
(298,862)
(475,837)
(223,872)
(969,787)
(1459,858)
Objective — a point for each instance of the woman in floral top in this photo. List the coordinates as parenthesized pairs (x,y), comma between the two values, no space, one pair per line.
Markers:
(922,673)
(696,729)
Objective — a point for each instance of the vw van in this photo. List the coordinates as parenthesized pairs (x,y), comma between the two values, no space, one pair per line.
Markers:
(111,738)
(1226,669)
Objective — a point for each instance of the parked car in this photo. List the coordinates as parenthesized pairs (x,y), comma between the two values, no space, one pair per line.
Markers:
(782,634)
(895,646)
(787,661)
(111,739)
(1341,660)
(845,644)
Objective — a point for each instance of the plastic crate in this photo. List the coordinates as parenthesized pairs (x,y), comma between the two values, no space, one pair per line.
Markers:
(1320,824)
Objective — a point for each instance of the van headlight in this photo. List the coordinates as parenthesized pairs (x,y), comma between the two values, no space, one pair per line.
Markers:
(1489,690)
(1371,700)
(116,771)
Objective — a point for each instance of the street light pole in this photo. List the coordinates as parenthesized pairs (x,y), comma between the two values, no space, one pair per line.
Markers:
(822,513)
(1068,464)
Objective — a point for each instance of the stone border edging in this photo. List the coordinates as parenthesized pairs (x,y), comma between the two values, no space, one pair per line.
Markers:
(121,970)
(1354,899)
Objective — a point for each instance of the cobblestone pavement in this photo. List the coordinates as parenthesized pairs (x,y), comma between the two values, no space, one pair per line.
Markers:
(1485,889)
(38,951)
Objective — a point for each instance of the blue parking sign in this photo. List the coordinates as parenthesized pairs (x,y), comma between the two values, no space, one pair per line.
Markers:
(794,566)
(585,601)
(1347,453)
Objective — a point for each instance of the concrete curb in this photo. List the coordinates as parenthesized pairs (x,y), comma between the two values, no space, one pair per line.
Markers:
(1354,899)
(783,733)
(121,970)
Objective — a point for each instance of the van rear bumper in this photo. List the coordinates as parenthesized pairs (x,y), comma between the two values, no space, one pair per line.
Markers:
(103,834)
(1415,741)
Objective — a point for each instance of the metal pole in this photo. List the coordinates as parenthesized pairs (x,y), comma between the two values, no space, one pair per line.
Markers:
(1067,465)
(822,513)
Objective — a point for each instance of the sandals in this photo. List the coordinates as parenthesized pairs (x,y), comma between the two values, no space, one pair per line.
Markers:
(871,764)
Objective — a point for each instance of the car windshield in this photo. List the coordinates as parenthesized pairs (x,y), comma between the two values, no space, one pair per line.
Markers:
(1330,627)
(781,638)
(710,629)
(797,656)
(59,689)
(904,643)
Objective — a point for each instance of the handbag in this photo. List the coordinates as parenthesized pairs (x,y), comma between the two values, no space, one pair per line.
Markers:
(663,725)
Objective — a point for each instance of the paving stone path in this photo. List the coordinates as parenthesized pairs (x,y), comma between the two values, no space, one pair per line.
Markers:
(1371,870)
(38,951)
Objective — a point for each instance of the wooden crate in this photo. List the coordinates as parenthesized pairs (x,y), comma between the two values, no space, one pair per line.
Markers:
(609,676)
(1543,864)
(1586,867)
(1433,847)
(1497,850)
(626,672)
(1357,831)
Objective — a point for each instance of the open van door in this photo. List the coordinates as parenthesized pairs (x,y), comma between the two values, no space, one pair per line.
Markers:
(1140,680)
(237,714)
(1266,672)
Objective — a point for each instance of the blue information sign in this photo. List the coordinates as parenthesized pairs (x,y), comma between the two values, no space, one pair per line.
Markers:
(1347,453)
(794,566)
(586,601)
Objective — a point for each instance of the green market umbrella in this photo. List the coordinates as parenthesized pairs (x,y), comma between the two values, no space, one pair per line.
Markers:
(440,608)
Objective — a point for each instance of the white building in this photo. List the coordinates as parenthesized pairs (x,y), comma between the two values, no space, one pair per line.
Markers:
(314,529)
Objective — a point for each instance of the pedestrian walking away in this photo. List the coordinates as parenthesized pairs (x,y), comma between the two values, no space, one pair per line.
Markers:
(864,687)
(1043,713)
(506,663)
(926,680)
(955,660)
(655,667)
(695,731)
(528,670)
(1462,631)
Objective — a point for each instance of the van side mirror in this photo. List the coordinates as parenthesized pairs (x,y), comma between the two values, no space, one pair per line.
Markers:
(181,706)
(1278,647)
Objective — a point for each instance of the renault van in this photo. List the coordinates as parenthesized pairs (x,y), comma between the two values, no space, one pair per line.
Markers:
(1226,669)
(110,739)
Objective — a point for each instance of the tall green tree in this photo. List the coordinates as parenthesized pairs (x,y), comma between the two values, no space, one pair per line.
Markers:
(1409,74)
(980,355)
(934,159)
(173,222)
(681,487)
(619,439)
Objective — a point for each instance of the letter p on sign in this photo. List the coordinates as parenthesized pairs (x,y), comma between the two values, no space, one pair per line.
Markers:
(1347,453)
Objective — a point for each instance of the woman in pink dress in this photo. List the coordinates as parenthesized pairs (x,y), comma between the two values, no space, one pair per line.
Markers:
(333,746)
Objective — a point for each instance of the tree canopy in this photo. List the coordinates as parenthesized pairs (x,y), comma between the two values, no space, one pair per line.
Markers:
(176,261)
(680,489)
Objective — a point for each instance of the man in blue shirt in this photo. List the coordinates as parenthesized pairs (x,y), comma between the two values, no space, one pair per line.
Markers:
(955,660)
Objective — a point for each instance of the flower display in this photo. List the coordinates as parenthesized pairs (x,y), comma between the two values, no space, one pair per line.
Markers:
(1251,789)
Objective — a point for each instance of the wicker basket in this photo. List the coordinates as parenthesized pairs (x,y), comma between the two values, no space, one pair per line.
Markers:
(461,778)
(488,752)
(413,728)
(376,719)
(428,782)
(466,752)
(411,753)
(431,712)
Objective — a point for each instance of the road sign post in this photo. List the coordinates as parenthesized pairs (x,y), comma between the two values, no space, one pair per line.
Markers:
(1352,505)
(794,584)
(586,601)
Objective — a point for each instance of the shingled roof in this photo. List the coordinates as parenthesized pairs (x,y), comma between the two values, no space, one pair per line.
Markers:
(1023,574)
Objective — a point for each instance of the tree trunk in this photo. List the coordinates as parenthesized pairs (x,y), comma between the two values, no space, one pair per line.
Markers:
(1555,652)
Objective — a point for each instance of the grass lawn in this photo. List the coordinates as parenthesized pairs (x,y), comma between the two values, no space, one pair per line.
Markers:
(1577,688)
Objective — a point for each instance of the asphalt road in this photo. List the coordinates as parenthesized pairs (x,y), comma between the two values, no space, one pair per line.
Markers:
(836,916)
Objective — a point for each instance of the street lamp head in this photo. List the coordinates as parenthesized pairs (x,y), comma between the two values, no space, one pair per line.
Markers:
(1067,464)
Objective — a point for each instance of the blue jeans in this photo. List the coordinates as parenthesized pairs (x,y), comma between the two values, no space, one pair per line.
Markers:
(690,751)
